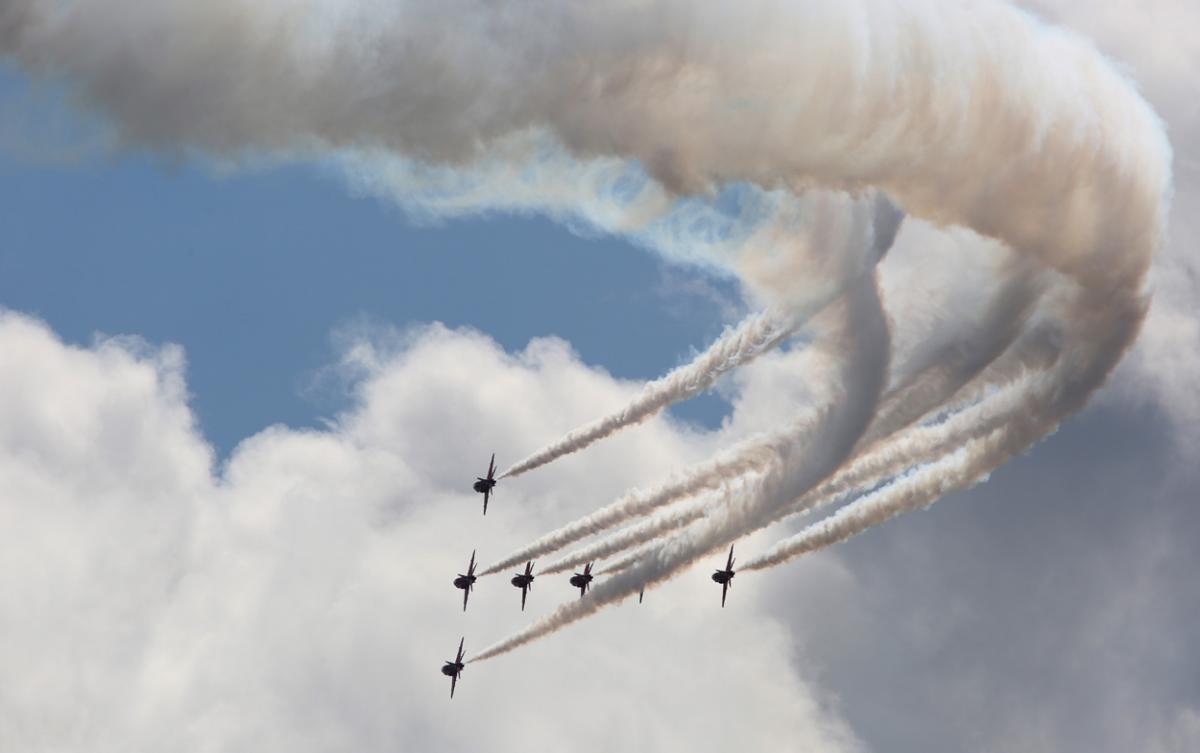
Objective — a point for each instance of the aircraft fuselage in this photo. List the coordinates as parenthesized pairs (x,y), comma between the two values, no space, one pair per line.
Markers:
(464,581)
(581,581)
(722,576)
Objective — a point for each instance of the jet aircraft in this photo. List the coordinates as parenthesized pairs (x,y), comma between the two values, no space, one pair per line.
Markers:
(466,582)
(725,577)
(582,580)
(485,485)
(524,581)
(453,669)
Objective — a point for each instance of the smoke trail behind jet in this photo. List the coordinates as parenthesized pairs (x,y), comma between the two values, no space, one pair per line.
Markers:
(736,347)
(969,115)
(1089,316)
(753,337)
(861,374)
(938,376)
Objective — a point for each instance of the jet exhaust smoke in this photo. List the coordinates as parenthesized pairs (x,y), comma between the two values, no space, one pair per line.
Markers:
(862,372)
(756,137)
(947,371)
(755,336)
(1091,305)
(738,346)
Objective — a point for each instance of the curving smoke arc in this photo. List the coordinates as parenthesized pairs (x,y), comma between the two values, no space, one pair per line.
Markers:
(1068,308)
(738,346)
(759,139)
(888,451)
(932,375)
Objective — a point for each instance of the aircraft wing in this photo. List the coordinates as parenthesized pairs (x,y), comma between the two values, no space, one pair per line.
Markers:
(724,590)
(453,682)
(466,593)
(524,591)
(486,494)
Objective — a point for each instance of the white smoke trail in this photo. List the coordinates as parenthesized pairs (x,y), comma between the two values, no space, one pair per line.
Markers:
(979,414)
(738,346)
(1011,422)
(861,374)
(917,98)
(943,373)
(639,533)
(747,456)
(941,472)
(938,377)
(1100,301)
(753,337)
(1033,410)
(967,114)
(951,455)
(921,445)
(919,489)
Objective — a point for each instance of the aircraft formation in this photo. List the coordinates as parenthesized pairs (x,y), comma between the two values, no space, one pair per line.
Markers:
(465,582)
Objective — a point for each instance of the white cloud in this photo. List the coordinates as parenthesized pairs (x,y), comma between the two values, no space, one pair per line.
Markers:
(301,601)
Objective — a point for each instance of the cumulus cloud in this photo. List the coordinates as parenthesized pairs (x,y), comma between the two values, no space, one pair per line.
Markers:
(298,597)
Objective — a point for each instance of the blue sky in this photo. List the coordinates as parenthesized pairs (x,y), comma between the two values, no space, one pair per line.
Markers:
(252,272)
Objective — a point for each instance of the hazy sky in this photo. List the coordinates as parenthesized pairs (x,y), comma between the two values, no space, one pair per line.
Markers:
(240,409)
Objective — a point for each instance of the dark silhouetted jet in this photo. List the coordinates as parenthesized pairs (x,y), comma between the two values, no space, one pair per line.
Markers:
(453,669)
(641,594)
(524,581)
(582,580)
(485,485)
(466,582)
(725,577)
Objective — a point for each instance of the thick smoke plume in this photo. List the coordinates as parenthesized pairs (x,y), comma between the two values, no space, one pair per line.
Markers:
(758,138)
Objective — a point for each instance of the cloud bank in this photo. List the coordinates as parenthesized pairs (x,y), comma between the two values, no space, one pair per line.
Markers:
(298,598)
